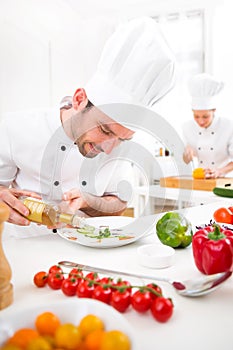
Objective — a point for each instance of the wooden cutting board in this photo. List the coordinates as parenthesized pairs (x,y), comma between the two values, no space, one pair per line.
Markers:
(188,182)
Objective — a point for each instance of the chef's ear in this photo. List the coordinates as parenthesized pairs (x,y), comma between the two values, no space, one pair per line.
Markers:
(80,99)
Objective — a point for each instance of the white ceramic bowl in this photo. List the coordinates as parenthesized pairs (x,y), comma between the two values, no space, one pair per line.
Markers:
(156,255)
(70,310)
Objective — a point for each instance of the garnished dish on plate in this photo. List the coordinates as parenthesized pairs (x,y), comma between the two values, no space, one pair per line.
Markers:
(104,232)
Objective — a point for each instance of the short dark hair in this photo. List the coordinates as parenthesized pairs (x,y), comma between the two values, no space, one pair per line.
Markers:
(89,104)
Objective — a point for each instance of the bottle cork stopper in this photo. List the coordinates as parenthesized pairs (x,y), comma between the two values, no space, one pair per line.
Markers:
(6,288)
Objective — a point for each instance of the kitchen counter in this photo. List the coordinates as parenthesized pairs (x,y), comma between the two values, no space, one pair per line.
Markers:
(202,322)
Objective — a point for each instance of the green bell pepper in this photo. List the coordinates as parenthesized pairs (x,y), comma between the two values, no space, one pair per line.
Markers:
(174,230)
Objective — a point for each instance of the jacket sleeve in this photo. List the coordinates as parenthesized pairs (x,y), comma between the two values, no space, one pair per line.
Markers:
(8,168)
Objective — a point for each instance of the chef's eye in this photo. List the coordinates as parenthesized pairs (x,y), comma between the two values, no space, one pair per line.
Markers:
(105,131)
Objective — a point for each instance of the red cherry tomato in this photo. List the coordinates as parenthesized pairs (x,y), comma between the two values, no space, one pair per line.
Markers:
(124,284)
(223,215)
(40,279)
(69,286)
(102,294)
(76,273)
(85,289)
(106,280)
(121,300)
(56,269)
(141,300)
(162,309)
(93,276)
(156,288)
(55,280)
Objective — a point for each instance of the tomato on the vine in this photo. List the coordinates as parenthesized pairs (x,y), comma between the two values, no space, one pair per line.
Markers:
(77,273)
(40,279)
(121,300)
(69,286)
(93,276)
(85,289)
(162,309)
(141,300)
(102,294)
(55,269)
(124,285)
(118,293)
(157,289)
(106,280)
(55,280)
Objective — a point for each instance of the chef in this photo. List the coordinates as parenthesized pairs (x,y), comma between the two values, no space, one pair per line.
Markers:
(136,67)
(208,137)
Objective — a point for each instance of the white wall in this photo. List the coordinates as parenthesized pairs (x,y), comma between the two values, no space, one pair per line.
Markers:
(48,48)
(222,55)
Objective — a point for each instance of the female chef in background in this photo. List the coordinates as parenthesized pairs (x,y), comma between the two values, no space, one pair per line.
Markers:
(208,136)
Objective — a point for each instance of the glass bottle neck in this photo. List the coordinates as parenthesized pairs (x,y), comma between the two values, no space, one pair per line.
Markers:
(72,219)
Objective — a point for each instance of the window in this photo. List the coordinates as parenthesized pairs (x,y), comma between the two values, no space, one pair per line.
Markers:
(184,32)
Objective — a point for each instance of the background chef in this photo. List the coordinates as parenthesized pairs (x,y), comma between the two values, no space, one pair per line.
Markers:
(208,137)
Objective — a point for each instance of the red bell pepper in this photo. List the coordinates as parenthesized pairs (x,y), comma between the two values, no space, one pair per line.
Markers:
(213,249)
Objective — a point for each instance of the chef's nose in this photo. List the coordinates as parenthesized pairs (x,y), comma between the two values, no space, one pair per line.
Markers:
(110,144)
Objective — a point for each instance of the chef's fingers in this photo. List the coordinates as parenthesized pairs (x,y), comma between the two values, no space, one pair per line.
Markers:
(71,194)
(77,203)
(17,219)
(9,197)
(19,193)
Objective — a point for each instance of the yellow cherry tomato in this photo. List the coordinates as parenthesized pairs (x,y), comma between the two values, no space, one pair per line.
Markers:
(115,339)
(68,336)
(90,323)
(39,343)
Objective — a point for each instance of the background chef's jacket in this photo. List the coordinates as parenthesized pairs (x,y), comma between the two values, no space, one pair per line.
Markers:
(213,145)
(37,155)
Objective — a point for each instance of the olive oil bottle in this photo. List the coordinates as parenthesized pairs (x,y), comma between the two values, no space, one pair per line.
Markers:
(50,215)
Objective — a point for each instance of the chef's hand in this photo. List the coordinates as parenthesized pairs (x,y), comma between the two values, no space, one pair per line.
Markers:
(212,173)
(17,209)
(92,205)
(72,201)
(188,154)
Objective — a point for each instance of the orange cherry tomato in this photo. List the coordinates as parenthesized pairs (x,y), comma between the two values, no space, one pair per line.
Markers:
(47,323)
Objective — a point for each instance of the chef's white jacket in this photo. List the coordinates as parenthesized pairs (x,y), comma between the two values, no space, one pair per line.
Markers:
(213,145)
(37,155)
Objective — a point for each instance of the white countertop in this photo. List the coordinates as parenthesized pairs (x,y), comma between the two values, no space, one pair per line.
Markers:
(197,323)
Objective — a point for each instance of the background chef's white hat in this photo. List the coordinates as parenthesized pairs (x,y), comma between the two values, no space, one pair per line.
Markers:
(136,66)
(204,90)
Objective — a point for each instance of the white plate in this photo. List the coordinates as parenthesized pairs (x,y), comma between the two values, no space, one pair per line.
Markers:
(68,311)
(124,230)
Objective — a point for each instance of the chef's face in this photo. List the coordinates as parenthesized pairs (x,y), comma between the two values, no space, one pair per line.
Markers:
(97,133)
(204,117)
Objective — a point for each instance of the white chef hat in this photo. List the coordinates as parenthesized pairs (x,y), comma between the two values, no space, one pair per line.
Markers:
(136,66)
(204,90)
